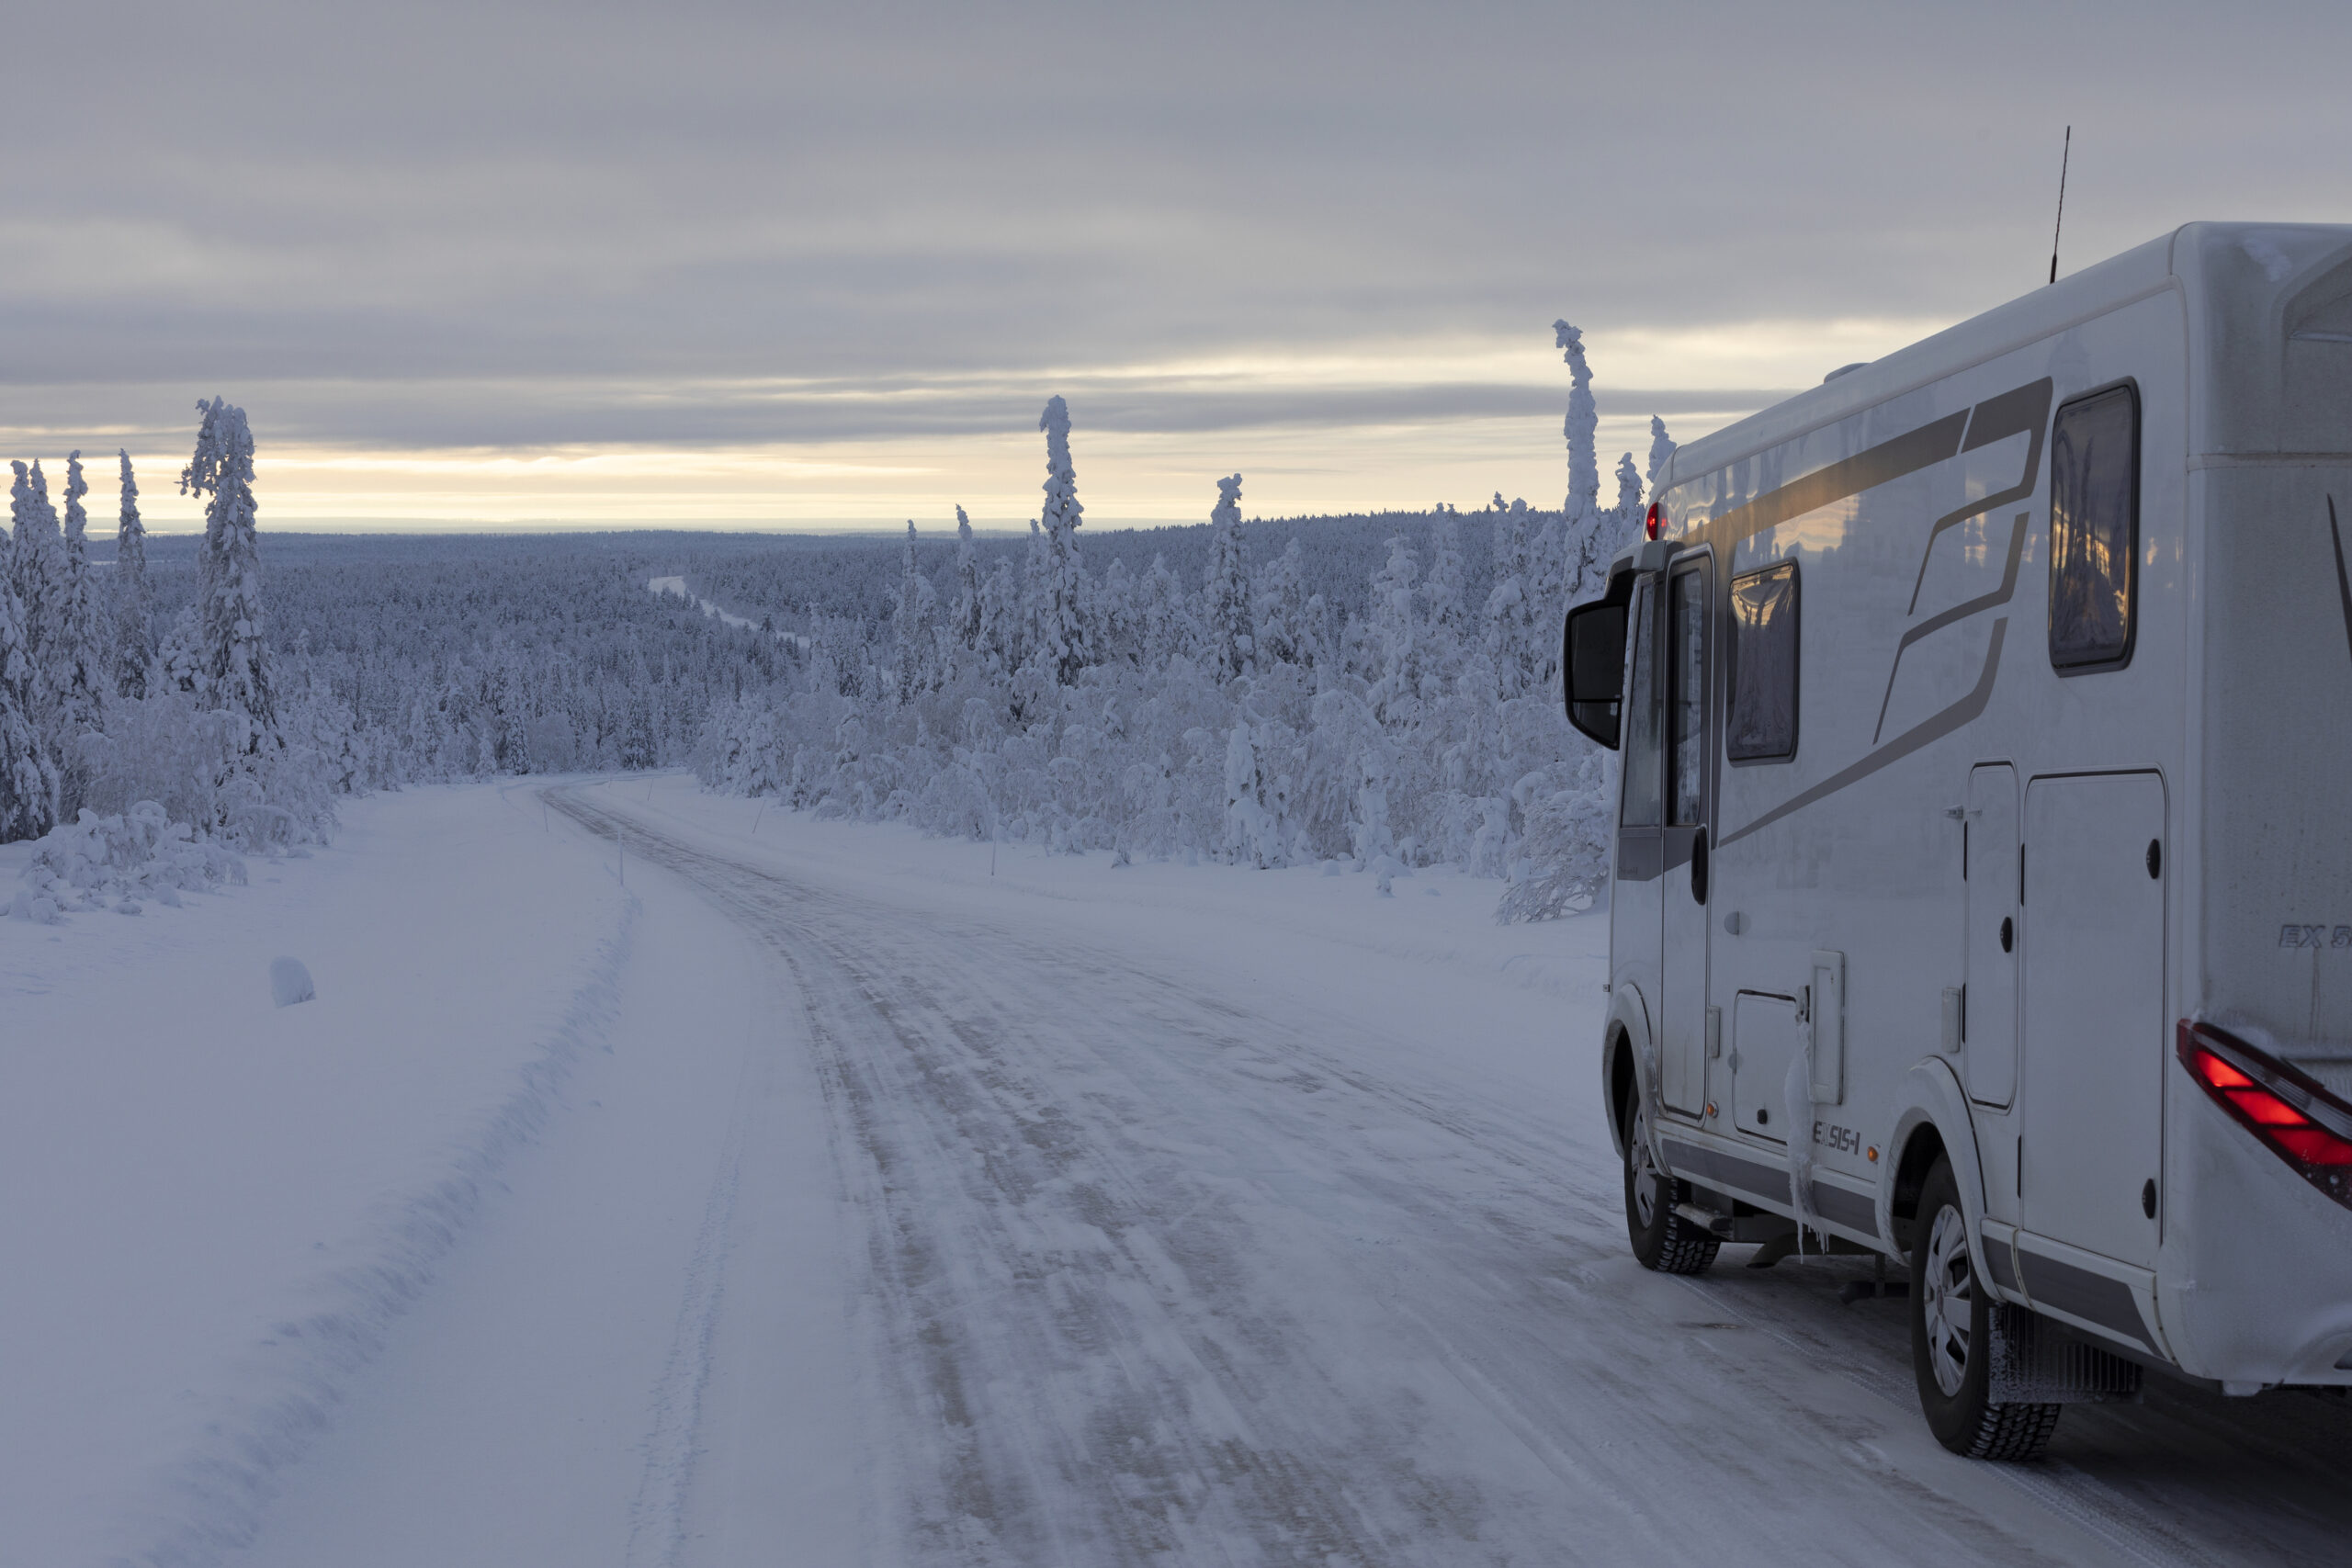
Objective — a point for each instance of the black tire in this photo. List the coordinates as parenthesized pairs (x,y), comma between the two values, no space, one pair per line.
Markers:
(1951,1335)
(1662,1240)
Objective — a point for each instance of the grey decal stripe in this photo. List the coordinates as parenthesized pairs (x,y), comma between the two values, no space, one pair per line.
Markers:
(2342,583)
(1855,1210)
(2078,1293)
(1690,1160)
(1840,1207)
(1924,733)
(2000,1262)
(1943,618)
(2026,410)
(2021,408)
(1750,1175)
(1906,454)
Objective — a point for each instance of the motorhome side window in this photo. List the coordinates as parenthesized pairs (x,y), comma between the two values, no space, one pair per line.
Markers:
(1645,718)
(1764,665)
(2094,529)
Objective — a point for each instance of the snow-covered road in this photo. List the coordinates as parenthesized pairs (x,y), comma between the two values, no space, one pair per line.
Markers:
(1239,1247)
(909,1208)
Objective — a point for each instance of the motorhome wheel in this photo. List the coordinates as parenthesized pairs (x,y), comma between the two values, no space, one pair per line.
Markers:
(1951,1337)
(1662,1240)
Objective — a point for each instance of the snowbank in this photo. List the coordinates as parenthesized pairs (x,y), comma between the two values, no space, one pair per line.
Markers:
(117,861)
(216,1205)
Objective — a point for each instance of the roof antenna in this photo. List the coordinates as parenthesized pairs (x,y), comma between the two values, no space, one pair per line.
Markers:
(2065,153)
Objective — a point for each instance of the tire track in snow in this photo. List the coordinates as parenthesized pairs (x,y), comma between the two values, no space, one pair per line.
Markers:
(988,1186)
(658,1518)
(1152,1278)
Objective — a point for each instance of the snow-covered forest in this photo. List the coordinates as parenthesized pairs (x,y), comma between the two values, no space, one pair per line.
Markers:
(1376,690)
(1245,707)
(146,743)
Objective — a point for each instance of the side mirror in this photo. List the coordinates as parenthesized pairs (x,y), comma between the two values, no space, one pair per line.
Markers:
(1592,663)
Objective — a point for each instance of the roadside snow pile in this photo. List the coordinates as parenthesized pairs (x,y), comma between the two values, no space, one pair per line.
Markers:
(100,862)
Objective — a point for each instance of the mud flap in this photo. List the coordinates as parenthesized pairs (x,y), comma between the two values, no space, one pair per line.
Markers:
(2036,1362)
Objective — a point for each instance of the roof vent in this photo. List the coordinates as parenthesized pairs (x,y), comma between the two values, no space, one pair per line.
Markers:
(1844,370)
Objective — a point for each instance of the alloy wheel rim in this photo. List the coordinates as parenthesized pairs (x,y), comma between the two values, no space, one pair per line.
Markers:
(1646,1176)
(1948,1302)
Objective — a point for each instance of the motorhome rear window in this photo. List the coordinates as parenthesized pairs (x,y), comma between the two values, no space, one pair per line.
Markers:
(2093,530)
(1764,665)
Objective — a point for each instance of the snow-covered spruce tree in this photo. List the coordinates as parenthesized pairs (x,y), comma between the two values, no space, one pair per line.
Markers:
(1115,616)
(38,570)
(1225,588)
(28,781)
(1285,631)
(1442,588)
(1661,449)
(1629,495)
(1062,619)
(1398,648)
(1164,620)
(1253,835)
(1003,634)
(963,623)
(911,626)
(133,635)
(179,663)
(1510,608)
(235,656)
(1583,556)
(83,680)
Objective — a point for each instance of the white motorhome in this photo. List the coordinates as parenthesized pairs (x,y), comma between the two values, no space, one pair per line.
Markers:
(1982,887)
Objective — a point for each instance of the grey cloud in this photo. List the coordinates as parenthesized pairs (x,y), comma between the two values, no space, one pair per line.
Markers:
(375,414)
(506,202)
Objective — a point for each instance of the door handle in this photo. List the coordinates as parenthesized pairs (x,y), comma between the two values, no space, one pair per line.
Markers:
(1698,865)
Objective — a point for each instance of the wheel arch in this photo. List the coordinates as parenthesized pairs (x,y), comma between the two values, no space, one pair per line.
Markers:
(1624,1049)
(1932,1120)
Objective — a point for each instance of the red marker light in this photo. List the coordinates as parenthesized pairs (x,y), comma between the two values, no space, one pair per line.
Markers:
(2301,1122)
(2220,1074)
(1652,525)
(2314,1145)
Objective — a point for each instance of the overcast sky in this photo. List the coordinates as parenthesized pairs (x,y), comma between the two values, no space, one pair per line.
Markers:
(499,263)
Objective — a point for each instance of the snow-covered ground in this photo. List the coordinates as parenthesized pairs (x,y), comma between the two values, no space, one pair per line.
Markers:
(827,1194)
(215,1207)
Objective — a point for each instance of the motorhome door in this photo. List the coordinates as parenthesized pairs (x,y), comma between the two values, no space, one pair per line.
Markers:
(2095,1041)
(1689,796)
(1641,854)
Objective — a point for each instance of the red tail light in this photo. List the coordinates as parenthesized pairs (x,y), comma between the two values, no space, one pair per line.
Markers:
(2302,1122)
(1652,525)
